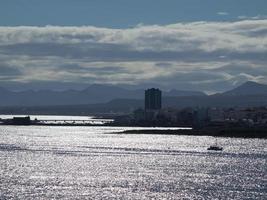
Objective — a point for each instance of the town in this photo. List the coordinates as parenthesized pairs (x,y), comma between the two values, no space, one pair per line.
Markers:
(215,121)
(243,121)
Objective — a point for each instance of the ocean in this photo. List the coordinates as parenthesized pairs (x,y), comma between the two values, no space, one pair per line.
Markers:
(42,162)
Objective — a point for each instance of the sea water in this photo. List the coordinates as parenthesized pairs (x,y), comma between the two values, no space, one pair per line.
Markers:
(91,163)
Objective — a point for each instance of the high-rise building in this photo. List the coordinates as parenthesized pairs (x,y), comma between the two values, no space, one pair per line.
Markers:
(152,99)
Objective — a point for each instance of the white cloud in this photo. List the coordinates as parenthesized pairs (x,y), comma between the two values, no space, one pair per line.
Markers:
(206,36)
(222,13)
(257,17)
(137,55)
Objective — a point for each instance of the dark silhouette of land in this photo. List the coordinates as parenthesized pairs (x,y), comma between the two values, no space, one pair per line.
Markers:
(94,94)
(101,99)
(250,88)
(235,132)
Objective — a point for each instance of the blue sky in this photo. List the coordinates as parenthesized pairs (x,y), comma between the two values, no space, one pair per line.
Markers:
(124,13)
(208,45)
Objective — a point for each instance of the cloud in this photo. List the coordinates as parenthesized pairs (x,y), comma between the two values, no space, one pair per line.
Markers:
(242,68)
(222,13)
(177,54)
(8,72)
(201,36)
(257,17)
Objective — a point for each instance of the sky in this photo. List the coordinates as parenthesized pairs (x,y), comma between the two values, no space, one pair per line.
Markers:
(204,45)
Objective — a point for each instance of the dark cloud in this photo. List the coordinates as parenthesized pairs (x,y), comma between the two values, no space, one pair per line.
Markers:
(235,69)
(76,68)
(212,80)
(7,70)
(257,33)
(93,52)
(191,77)
(164,64)
(201,55)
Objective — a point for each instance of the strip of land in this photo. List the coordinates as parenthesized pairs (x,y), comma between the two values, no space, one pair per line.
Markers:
(233,132)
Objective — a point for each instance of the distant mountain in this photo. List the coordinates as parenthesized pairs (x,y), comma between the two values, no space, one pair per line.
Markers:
(103,93)
(216,101)
(180,93)
(111,99)
(248,88)
(94,94)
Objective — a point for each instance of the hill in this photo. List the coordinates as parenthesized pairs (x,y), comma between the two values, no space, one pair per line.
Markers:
(98,99)
(118,106)
(248,88)
(94,94)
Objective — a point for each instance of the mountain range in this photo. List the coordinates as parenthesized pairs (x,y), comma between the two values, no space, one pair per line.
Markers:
(112,99)
(248,88)
(93,94)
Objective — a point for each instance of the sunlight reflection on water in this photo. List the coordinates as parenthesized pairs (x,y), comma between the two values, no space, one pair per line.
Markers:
(84,163)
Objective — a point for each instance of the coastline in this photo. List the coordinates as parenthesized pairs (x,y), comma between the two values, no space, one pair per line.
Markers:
(215,131)
(260,133)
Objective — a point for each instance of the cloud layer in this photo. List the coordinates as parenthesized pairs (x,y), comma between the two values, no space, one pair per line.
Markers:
(199,55)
